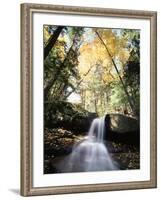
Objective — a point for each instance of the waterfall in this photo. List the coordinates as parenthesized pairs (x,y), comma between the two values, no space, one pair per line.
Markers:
(97,129)
(91,154)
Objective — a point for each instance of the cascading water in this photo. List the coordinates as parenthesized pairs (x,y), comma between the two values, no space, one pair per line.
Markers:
(91,154)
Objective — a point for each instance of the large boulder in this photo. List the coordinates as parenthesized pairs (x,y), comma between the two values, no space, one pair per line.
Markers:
(121,128)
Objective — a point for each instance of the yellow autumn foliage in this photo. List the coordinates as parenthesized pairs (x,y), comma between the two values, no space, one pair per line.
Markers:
(46,34)
(94,52)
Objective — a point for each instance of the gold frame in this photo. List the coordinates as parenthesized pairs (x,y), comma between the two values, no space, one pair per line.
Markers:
(27,11)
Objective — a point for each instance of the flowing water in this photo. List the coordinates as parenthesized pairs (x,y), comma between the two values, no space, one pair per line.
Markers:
(91,154)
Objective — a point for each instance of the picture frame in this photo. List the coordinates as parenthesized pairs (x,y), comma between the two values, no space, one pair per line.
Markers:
(28,93)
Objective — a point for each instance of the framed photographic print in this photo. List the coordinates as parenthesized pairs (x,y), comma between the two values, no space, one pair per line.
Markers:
(88,99)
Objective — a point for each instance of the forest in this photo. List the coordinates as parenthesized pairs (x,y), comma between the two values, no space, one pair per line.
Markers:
(91,74)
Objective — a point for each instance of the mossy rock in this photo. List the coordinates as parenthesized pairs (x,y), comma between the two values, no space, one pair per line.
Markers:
(68,116)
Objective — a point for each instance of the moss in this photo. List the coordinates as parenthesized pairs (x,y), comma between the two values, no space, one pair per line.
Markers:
(67,115)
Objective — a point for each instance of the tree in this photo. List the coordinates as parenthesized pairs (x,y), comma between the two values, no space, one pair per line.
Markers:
(61,64)
(116,68)
(131,73)
(52,40)
(99,65)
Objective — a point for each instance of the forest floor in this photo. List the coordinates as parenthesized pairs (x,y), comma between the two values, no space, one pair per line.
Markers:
(58,143)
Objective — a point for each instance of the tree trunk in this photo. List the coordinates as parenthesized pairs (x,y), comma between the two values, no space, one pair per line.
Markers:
(52,81)
(95,102)
(52,40)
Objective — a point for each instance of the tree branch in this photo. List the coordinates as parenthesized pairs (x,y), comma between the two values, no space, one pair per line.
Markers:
(74,89)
